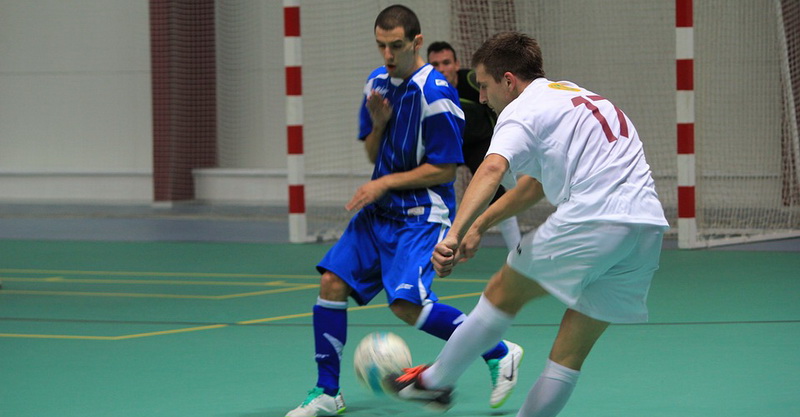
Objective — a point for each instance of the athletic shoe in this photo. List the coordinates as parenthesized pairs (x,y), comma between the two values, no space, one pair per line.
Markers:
(505,374)
(319,404)
(409,387)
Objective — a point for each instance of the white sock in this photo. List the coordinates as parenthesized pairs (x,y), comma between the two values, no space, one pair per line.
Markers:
(509,228)
(550,393)
(483,328)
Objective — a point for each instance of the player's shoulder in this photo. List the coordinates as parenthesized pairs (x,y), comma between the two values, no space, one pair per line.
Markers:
(378,73)
(544,93)
(559,88)
(433,83)
(377,79)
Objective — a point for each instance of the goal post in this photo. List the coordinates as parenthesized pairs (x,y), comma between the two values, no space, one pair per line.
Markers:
(744,160)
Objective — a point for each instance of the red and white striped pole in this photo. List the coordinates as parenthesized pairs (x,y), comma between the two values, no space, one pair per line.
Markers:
(292,58)
(684,55)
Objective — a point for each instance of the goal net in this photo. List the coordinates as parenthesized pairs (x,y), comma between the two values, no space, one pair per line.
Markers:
(746,81)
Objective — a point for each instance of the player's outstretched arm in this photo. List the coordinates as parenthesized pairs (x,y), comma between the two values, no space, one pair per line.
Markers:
(479,193)
(423,176)
(476,198)
(520,198)
(525,194)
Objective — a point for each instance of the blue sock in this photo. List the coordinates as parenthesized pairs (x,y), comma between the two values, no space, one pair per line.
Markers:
(441,321)
(330,335)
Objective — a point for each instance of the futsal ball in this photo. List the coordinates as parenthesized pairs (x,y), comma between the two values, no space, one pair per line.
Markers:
(378,355)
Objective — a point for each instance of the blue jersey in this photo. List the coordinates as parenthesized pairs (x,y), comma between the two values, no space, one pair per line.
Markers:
(425,127)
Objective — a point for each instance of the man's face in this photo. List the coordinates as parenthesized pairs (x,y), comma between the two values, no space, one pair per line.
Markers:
(445,62)
(399,54)
(493,93)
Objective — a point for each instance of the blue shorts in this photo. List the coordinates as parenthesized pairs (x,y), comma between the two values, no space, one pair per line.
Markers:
(378,253)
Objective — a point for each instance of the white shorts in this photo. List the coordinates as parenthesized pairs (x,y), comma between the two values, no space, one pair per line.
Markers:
(602,270)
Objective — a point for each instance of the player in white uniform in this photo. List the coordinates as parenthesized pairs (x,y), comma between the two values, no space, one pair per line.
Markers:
(597,253)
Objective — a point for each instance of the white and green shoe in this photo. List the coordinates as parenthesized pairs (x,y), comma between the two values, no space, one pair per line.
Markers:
(505,374)
(319,404)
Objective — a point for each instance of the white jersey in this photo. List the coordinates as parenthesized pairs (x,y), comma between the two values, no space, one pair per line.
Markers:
(584,151)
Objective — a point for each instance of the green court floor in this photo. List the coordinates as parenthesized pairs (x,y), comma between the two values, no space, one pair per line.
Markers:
(224,329)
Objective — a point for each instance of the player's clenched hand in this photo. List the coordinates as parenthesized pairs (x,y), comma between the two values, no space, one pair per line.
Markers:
(445,256)
(380,111)
(469,245)
(366,194)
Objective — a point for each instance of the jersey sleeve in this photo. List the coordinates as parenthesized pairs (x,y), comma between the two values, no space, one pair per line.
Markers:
(513,142)
(443,126)
(528,155)
(364,121)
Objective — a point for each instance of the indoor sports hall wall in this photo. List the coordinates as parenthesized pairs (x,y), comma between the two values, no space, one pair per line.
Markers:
(75,101)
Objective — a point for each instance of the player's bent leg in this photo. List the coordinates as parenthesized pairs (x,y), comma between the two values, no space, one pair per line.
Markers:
(333,288)
(406,310)
(330,335)
(509,291)
(502,360)
(480,331)
(576,337)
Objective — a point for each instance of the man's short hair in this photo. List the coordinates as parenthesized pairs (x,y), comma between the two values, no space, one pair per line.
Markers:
(512,52)
(399,16)
(440,46)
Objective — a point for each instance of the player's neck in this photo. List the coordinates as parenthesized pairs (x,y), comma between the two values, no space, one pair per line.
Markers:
(418,63)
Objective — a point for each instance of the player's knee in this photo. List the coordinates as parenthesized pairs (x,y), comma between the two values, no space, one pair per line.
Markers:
(510,291)
(406,311)
(333,288)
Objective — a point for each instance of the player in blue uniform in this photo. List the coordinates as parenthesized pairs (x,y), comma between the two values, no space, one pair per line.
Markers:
(411,126)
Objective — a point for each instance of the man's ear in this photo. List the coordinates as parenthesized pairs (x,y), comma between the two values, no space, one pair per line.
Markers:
(510,80)
(418,42)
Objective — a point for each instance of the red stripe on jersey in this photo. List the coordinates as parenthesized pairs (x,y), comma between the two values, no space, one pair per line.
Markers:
(685,138)
(294,139)
(686,205)
(297,199)
(291,21)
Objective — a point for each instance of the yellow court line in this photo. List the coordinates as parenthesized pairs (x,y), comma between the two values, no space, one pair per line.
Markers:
(164,332)
(55,336)
(145,273)
(280,290)
(367,307)
(210,327)
(155,295)
(188,274)
(150,282)
(124,337)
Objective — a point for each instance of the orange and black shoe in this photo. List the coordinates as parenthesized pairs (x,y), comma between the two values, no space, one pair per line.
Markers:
(409,387)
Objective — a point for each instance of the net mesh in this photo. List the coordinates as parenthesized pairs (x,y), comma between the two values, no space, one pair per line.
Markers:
(746,86)
(746,187)
(184,94)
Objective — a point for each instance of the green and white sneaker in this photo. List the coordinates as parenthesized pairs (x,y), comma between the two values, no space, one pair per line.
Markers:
(319,404)
(505,374)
